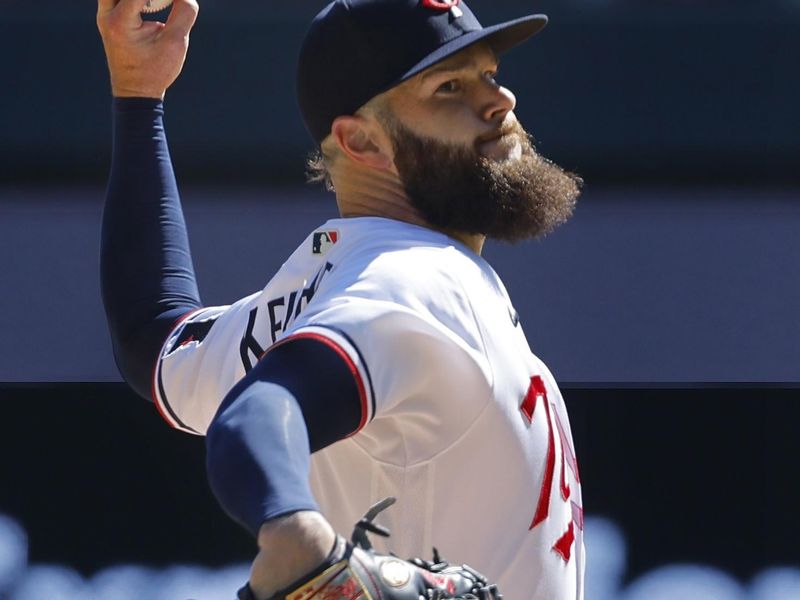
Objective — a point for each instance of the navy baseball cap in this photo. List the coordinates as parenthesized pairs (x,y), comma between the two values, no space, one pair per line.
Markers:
(357,49)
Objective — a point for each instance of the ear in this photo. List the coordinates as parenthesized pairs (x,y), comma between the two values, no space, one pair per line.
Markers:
(361,139)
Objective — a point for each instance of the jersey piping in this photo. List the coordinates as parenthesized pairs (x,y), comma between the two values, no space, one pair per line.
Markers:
(158,392)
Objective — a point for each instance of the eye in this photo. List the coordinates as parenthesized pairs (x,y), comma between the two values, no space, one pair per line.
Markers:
(449,87)
(491,75)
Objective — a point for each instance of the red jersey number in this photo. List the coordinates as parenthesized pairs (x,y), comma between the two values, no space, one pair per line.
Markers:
(537,391)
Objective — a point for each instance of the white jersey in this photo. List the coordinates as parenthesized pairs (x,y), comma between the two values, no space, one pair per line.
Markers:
(460,421)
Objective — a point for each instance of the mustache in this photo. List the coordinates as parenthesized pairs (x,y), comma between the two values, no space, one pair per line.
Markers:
(506,128)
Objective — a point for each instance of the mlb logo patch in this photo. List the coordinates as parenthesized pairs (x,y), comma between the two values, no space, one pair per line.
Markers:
(323,240)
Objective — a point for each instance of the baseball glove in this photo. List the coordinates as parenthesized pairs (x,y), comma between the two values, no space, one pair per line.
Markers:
(354,570)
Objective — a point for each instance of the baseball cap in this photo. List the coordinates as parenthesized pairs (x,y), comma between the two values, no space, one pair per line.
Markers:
(357,49)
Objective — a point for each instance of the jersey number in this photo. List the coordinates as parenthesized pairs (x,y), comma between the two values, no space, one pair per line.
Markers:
(537,391)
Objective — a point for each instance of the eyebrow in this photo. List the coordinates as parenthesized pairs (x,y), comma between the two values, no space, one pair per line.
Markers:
(454,66)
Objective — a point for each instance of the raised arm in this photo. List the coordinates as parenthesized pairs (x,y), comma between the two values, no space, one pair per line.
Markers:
(147,277)
(259,446)
(302,396)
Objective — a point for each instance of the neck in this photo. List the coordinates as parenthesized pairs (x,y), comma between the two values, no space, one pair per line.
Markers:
(473,241)
(363,192)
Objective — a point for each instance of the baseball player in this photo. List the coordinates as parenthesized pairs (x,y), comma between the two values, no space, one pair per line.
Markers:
(384,358)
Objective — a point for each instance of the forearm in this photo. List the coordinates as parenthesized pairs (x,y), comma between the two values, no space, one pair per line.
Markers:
(259,443)
(258,454)
(147,276)
(258,468)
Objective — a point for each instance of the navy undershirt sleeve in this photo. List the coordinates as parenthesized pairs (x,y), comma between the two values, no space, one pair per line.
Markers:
(299,398)
(146,272)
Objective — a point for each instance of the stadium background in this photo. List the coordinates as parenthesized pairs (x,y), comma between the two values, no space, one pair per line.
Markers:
(668,307)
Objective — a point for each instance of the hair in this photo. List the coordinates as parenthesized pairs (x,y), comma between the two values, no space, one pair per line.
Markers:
(320,162)
(317,169)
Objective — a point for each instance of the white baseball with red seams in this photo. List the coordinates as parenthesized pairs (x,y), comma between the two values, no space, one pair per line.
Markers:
(156,5)
(460,421)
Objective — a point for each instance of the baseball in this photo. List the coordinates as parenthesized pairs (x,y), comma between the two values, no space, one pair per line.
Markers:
(156,5)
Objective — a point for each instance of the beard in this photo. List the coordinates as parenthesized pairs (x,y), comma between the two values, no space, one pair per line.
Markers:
(455,188)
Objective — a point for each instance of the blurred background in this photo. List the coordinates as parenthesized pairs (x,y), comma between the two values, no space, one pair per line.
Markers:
(668,307)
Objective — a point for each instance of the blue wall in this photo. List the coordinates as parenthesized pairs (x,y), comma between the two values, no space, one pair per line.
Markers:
(654,280)
(642,285)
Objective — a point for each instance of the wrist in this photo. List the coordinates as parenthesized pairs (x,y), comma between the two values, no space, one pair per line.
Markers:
(302,530)
(129,103)
(129,92)
(289,548)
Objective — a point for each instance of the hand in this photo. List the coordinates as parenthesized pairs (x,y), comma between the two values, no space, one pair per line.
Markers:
(354,572)
(290,547)
(144,57)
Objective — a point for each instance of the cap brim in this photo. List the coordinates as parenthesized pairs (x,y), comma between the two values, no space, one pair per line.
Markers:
(501,37)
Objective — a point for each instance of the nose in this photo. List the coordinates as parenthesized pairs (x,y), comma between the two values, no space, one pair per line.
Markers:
(499,101)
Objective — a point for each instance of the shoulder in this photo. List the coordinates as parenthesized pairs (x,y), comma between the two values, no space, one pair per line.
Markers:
(405,268)
(396,261)
(402,292)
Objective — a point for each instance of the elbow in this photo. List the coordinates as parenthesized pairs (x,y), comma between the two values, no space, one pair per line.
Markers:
(137,347)
(229,467)
(257,455)
(136,366)
(227,431)
(219,431)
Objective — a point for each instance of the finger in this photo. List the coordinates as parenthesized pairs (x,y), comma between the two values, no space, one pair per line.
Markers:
(130,11)
(150,28)
(105,6)
(182,17)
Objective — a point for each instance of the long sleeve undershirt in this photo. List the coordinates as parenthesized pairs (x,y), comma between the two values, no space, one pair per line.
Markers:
(259,443)
(146,272)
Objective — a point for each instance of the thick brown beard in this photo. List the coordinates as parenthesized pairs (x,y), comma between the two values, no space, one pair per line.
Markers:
(454,188)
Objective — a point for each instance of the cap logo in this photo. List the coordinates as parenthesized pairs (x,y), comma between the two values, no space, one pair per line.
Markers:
(444,5)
